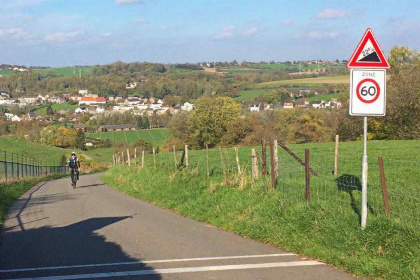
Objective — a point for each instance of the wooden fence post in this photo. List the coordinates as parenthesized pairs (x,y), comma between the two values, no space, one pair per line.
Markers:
(128,158)
(175,159)
(254,163)
(383,184)
(337,138)
(223,163)
(123,158)
(273,172)
(263,157)
(142,158)
(186,156)
(307,177)
(135,155)
(276,159)
(207,161)
(154,157)
(237,160)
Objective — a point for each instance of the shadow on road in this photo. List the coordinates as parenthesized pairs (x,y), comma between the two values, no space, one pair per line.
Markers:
(88,186)
(75,244)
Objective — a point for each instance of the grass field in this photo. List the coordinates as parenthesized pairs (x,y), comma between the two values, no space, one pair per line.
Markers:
(68,71)
(4,72)
(326,228)
(248,95)
(324,97)
(42,110)
(156,136)
(307,82)
(47,153)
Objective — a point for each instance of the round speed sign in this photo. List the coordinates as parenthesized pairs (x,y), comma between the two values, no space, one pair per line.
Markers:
(368,91)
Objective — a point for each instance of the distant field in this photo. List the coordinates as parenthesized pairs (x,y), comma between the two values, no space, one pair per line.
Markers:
(248,95)
(56,107)
(4,72)
(324,97)
(342,79)
(68,71)
(156,136)
(47,153)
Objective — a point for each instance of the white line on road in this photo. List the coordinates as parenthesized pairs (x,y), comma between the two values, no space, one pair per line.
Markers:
(146,262)
(177,270)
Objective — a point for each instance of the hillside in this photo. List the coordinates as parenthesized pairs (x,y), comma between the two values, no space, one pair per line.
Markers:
(326,228)
(47,153)
(156,136)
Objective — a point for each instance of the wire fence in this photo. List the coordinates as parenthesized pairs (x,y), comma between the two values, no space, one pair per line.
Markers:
(341,190)
(17,166)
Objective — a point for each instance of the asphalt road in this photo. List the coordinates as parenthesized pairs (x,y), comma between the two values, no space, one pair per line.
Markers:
(94,231)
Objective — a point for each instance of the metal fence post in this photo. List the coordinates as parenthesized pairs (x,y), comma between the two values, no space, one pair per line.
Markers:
(5,165)
(13,167)
(21,164)
(307,177)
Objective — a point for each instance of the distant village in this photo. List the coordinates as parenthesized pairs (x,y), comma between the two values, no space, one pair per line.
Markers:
(94,104)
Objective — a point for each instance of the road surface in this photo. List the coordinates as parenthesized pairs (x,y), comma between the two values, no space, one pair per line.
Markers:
(94,231)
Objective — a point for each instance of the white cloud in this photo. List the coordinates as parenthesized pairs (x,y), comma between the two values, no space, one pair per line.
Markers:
(331,13)
(106,34)
(286,22)
(230,31)
(122,2)
(320,35)
(12,32)
(140,21)
(64,36)
(250,31)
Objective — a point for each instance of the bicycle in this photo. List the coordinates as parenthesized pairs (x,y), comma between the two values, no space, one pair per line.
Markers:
(74,177)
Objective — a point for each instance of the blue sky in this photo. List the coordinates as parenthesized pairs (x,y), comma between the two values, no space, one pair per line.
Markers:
(87,32)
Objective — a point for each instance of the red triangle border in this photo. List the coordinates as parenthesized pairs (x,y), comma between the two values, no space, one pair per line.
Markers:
(352,63)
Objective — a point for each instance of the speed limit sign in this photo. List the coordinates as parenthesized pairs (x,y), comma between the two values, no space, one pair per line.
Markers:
(367,92)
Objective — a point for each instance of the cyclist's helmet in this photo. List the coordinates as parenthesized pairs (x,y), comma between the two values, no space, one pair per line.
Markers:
(73,153)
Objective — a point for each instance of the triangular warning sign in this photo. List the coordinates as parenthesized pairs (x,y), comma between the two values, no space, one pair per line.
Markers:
(368,54)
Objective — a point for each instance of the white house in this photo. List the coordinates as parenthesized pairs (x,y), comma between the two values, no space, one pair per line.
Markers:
(28,100)
(254,108)
(83,91)
(11,117)
(131,85)
(318,104)
(80,110)
(187,107)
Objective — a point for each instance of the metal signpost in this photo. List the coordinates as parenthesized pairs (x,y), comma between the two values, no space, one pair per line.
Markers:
(367,94)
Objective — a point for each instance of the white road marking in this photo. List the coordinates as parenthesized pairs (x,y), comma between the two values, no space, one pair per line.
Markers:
(147,262)
(177,270)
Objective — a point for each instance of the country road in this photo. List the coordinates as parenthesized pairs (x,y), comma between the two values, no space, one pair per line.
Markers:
(94,231)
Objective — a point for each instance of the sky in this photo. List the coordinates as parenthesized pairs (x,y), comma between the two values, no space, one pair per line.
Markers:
(88,32)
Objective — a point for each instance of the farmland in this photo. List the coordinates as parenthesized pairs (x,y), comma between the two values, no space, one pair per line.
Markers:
(326,228)
(307,82)
(67,71)
(42,110)
(156,136)
(248,95)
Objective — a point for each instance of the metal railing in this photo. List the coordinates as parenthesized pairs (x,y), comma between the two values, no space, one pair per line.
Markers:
(16,166)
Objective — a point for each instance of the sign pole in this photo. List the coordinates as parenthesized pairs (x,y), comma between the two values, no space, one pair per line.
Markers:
(364,175)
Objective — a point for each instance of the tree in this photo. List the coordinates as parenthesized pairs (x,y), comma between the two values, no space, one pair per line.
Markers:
(80,141)
(63,160)
(209,122)
(50,110)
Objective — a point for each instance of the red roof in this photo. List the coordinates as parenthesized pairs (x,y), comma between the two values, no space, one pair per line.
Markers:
(93,99)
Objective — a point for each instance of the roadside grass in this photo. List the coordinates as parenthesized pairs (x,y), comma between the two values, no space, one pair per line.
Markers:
(156,136)
(327,228)
(42,110)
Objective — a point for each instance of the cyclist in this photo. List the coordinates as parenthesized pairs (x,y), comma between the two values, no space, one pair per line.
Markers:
(74,165)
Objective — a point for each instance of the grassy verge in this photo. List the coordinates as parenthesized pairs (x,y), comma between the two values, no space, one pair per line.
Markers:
(327,228)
